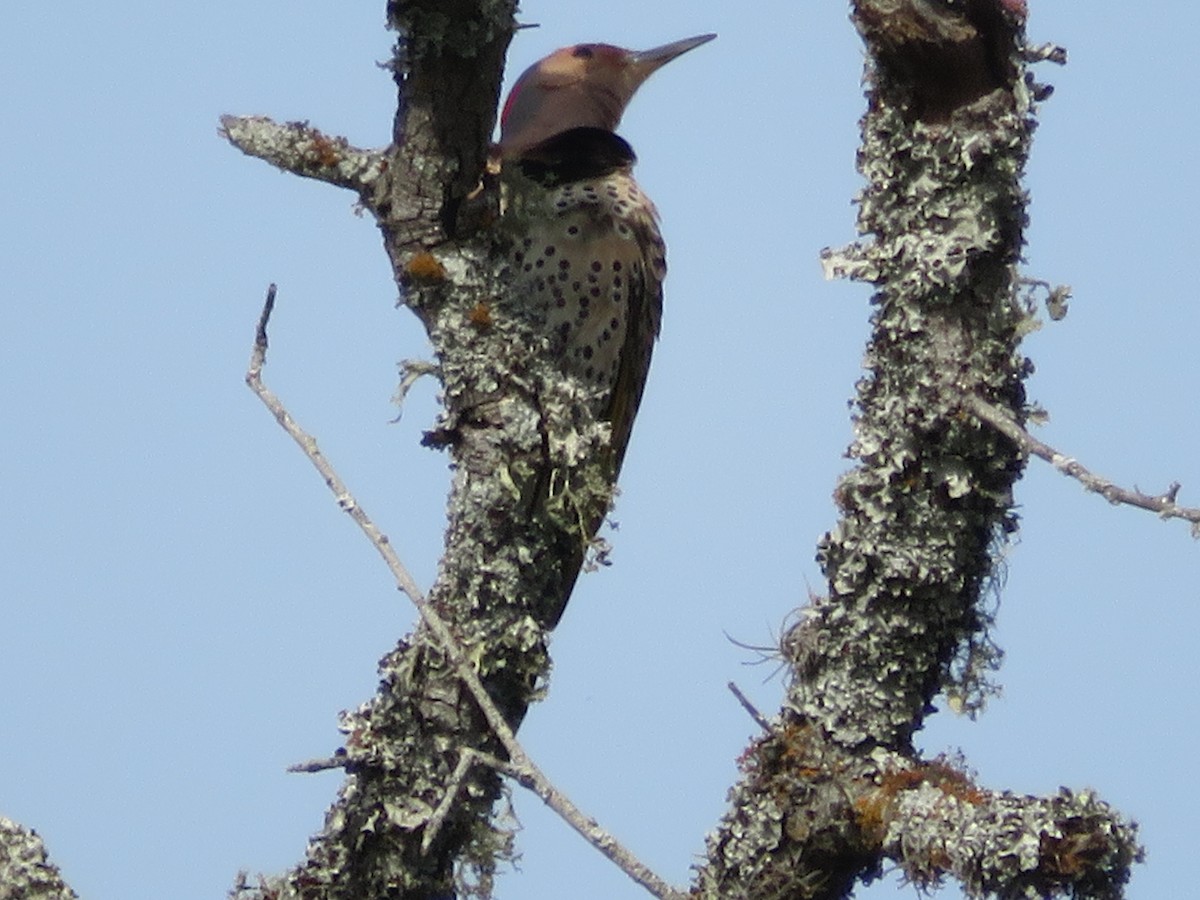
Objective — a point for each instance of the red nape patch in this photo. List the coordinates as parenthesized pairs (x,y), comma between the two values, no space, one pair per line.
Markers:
(1016,7)
(512,95)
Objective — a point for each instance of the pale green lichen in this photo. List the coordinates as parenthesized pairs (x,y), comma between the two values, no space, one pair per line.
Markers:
(26,871)
(912,564)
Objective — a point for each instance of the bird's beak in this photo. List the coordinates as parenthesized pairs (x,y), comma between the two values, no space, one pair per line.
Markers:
(645,62)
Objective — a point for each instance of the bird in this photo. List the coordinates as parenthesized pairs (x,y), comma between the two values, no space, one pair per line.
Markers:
(583,247)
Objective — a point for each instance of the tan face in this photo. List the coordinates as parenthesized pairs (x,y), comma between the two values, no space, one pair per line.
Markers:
(583,61)
(582,86)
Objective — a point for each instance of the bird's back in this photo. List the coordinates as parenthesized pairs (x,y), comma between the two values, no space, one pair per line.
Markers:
(587,255)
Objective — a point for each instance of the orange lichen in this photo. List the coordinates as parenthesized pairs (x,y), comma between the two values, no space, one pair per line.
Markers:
(872,812)
(875,807)
(801,751)
(940,773)
(480,315)
(953,781)
(424,266)
(892,783)
(1072,854)
(325,151)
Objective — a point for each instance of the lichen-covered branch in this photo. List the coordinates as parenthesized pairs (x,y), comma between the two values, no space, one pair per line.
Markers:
(25,869)
(834,787)
(837,787)
(529,478)
(1001,844)
(519,765)
(299,148)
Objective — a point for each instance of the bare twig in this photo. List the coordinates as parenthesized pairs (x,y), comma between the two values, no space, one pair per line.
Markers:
(322,764)
(1164,504)
(308,444)
(520,765)
(532,779)
(1045,53)
(750,707)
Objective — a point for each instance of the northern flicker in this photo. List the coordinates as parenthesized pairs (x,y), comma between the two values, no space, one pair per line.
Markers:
(585,246)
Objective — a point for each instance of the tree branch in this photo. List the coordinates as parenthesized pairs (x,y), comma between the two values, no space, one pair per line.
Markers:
(825,795)
(25,868)
(509,561)
(520,766)
(837,786)
(1001,844)
(749,707)
(299,148)
(1164,504)
(345,500)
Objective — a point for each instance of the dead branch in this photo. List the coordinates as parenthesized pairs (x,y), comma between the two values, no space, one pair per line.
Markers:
(520,766)
(1163,504)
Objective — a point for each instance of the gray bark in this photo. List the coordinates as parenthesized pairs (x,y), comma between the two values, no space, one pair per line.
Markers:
(834,787)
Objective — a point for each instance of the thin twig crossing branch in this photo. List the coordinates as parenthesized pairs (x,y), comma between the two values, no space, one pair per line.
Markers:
(520,766)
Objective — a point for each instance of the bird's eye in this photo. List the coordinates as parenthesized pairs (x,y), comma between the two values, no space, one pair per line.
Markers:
(583,51)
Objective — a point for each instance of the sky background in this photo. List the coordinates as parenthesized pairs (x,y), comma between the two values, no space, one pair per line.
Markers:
(185,610)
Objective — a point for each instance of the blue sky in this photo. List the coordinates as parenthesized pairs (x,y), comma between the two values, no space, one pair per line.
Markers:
(185,610)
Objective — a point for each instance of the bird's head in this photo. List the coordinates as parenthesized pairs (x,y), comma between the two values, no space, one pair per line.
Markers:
(584,86)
